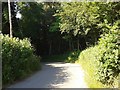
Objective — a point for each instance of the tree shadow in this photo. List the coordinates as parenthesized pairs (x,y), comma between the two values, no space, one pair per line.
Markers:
(52,74)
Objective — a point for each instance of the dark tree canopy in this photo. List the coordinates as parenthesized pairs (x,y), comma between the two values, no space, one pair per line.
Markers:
(55,28)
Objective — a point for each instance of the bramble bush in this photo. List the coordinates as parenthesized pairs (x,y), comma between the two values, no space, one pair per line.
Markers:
(18,59)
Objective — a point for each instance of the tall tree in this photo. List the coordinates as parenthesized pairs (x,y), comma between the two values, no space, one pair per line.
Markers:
(82,19)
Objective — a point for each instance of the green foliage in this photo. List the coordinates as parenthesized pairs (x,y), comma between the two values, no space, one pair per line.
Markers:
(55,58)
(42,22)
(102,62)
(83,18)
(109,60)
(18,59)
(31,17)
(68,57)
(88,61)
(76,16)
(72,56)
(55,25)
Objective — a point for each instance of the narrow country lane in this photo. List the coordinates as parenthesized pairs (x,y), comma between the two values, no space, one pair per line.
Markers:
(55,75)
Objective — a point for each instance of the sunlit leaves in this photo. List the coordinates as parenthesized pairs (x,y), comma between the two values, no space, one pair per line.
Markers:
(77,17)
(108,55)
(18,58)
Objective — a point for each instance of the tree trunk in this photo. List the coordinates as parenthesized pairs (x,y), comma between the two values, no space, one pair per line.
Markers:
(78,44)
(80,47)
(50,48)
(10,21)
(59,47)
(70,45)
(85,41)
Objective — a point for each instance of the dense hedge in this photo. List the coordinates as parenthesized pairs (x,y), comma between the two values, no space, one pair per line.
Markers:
(109,60)
(89,63)
(18,59)
(103,60)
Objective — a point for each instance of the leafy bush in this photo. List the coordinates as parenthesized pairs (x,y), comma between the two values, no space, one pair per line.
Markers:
(88,61)
(66,57)
(109,61)
(55,58)
(18,59)
(102,61)
(72,56)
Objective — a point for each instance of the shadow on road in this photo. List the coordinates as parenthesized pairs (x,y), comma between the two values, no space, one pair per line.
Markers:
(51,74)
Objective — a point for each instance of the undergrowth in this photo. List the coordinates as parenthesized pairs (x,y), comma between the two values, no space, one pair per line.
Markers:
(69,57)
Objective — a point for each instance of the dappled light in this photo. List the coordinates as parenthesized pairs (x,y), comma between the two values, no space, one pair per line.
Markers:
(60,44)
(55,75)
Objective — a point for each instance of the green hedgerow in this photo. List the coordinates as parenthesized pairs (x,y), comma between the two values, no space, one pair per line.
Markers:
(102,62)
(88,61)
(18,59)
(109,60)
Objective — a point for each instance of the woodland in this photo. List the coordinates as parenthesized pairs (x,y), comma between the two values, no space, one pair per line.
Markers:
(76,32)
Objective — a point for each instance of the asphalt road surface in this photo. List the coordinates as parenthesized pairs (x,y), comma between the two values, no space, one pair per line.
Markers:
(55,75)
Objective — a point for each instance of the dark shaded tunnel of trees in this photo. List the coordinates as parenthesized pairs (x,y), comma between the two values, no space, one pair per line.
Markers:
(36,26)
(41,25)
